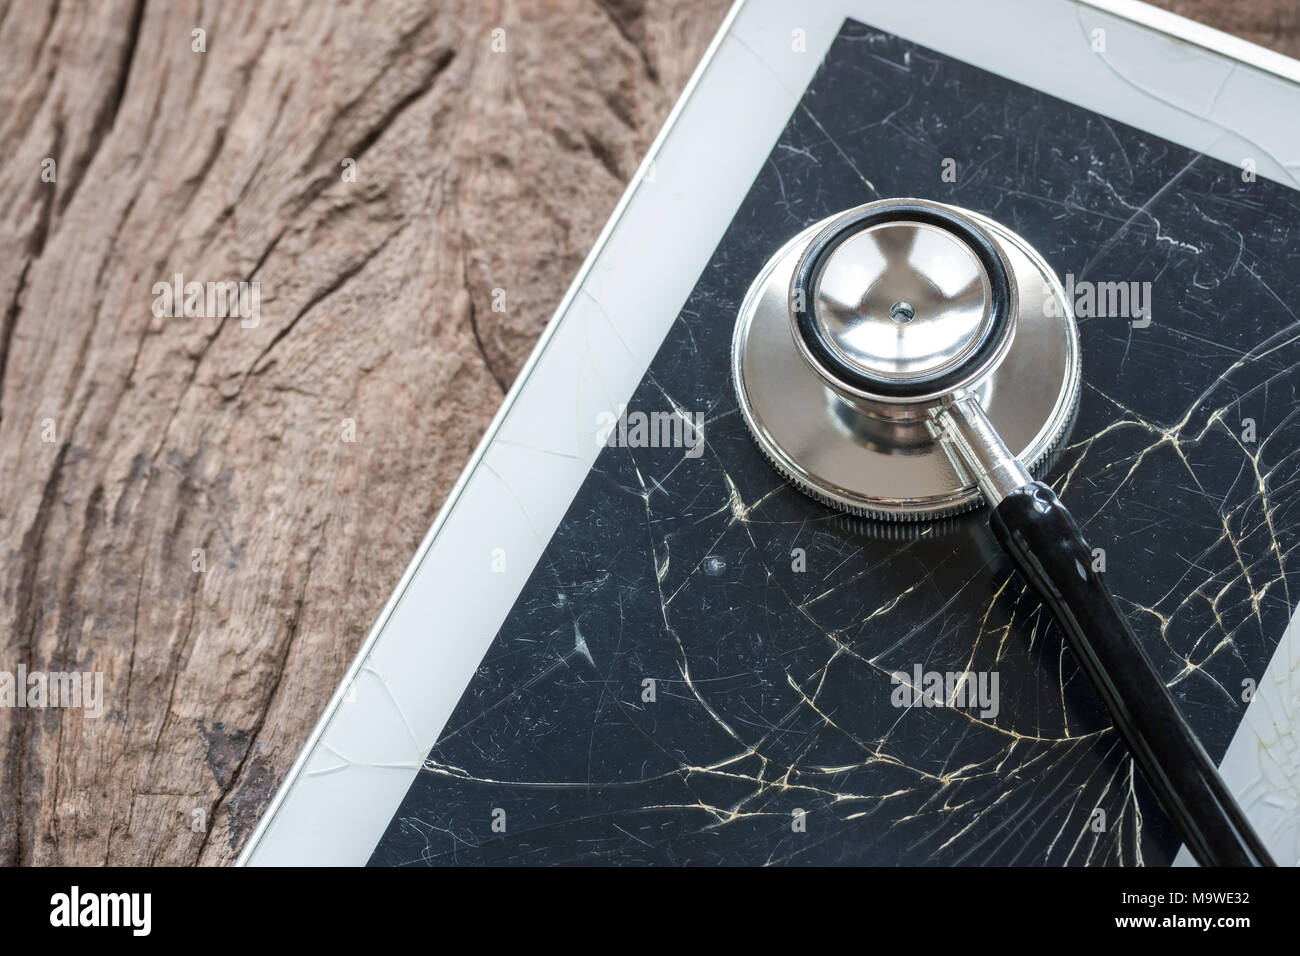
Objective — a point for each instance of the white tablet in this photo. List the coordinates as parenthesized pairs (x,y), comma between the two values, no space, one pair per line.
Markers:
(607,652)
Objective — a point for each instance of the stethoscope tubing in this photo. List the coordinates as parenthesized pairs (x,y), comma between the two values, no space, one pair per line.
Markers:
(1048,549)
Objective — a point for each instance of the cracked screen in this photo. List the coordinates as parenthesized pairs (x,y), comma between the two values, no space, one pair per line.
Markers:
(708,667)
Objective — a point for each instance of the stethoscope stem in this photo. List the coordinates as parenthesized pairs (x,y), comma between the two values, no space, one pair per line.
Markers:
(975,448)
(1048,549)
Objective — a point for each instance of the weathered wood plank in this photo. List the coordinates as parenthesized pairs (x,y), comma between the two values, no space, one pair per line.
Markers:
(475,170)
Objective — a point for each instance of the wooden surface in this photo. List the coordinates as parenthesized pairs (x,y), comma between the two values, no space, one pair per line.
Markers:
(129,440)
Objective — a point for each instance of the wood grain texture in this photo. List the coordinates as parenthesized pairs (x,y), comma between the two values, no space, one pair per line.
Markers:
(1271,23)
(476,171)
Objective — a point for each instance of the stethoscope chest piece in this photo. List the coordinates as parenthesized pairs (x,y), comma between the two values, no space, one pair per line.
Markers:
(865,324)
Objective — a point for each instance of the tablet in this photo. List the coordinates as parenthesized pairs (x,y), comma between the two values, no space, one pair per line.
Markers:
(626,640)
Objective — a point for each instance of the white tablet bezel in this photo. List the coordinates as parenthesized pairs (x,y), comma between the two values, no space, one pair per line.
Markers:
(1180,80)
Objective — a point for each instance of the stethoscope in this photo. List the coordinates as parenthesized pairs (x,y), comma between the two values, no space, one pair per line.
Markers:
(907,360)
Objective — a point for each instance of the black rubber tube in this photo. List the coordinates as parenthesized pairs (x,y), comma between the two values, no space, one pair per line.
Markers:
(1048,549)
